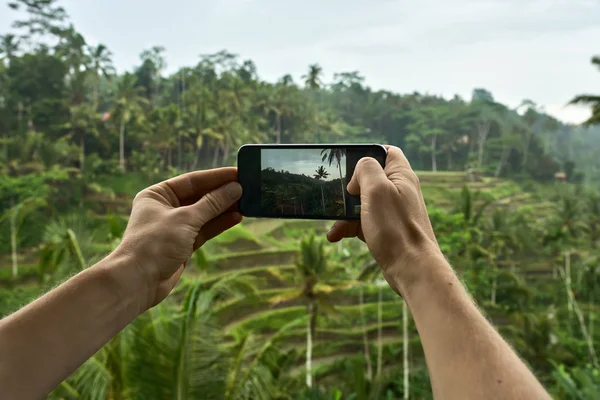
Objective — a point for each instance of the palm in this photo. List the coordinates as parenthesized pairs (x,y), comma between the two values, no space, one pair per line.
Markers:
(129,105)
(591,100)
(336,154)
(312,80)
(9,45)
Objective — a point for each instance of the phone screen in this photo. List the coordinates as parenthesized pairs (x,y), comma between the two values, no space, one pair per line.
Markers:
(304,181)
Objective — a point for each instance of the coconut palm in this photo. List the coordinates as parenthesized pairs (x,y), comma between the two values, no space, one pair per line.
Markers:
(336,154)
(371,272)
(100,65)
(312,79)
(316,277)
(129,104)
(321,173)
(590,280)
(177,352)
(592,100)
(16,216)
(83,123)
(9,45)
(67,246)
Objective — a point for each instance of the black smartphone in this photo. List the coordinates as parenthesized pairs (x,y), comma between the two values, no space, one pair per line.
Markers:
(303,181)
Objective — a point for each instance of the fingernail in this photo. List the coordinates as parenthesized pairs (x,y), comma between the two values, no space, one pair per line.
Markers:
(233,190)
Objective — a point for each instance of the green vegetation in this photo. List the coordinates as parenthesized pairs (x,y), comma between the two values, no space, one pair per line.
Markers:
(270,311)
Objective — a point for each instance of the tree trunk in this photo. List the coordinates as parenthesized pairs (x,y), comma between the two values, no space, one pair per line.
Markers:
(405,343)
(122,145)
(568,281)
(433,159)
(581,320)
(13,244)
(278,128)
(379,336)
(342,184)
(494,283)
(503,160)
(179,154)
(170,157)
(483,129)
(196,157)
(591,314)
(364,335)
(82,154)
(310,331)
(323,200)
(225,152)
(215,159)
(526,149)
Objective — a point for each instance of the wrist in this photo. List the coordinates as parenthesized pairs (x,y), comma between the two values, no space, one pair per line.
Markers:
(122,274)
(408,276)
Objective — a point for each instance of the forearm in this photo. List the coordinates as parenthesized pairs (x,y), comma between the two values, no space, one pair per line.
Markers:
(466,357)
(51,337)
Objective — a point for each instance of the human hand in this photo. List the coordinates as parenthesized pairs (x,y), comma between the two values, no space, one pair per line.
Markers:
(171,220)
(394,221)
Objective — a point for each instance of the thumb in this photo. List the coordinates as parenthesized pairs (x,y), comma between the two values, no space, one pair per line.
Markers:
(367,174)
(215,203)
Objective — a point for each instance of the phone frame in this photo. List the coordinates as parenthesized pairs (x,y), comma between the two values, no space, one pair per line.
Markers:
(249,173)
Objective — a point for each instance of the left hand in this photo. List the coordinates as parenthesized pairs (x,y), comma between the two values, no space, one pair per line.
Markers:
(171,220)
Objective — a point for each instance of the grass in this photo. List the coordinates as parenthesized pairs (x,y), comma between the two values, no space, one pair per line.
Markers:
(26,273)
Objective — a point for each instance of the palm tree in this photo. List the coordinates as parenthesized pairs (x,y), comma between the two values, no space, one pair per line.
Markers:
(177,352)
(312,79)
(591,283)
(16,216)
(371,272)
(66,247)
(83,123)
(315,275)
(101,65)
(129,104)
(9,45)
(503,242)
(336,154)
(321,173)
(592,100)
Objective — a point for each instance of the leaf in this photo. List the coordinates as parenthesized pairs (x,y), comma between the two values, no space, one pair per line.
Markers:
(289,296)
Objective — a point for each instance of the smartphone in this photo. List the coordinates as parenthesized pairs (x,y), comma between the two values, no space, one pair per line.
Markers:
(302,181)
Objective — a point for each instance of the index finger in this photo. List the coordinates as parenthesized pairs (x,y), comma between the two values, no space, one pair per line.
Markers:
(396,157)
(190,187)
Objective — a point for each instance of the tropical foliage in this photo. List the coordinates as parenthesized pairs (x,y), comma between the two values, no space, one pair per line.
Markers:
(268,310)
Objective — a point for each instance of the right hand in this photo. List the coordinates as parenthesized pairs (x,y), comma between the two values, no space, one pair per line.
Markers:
(394,221)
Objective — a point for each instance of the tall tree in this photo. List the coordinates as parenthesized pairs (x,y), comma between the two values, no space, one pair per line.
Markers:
(101,65)
(321,173)
(9,46)
(312,80)
(16,216)
(337,154)
(128,106)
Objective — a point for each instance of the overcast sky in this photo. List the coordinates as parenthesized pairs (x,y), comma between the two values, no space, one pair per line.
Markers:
(300,161)
(517,49)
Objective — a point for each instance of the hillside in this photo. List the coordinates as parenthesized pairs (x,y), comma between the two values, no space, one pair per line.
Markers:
(265,251)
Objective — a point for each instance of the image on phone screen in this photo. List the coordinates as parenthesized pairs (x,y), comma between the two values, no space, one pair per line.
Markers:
(309,182)
(301,181)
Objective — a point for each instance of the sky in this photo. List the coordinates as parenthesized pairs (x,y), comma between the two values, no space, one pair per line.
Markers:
(517,49)
(300,161)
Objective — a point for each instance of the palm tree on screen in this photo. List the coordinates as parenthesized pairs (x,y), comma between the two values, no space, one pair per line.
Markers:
(336,154)
(321,173)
